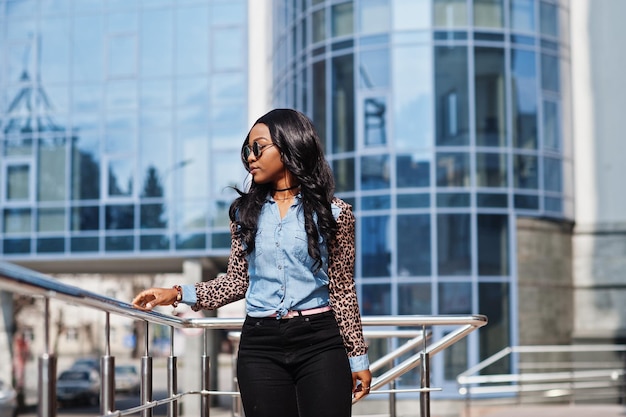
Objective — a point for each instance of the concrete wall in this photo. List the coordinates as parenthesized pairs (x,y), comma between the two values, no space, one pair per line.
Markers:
(545,292)
(599,103)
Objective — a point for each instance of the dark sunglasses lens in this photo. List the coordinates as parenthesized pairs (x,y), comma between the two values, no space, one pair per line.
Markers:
(246,152)
(256,149)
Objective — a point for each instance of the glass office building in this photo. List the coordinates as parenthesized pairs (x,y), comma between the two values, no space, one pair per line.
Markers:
(443,120)
(120,126)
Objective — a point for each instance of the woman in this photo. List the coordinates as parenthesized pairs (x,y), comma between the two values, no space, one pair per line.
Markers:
(302,349)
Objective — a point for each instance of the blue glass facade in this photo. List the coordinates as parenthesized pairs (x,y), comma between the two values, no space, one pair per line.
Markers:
(443,121)
(120,126)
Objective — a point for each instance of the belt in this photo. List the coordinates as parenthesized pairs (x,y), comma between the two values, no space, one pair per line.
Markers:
(295,313)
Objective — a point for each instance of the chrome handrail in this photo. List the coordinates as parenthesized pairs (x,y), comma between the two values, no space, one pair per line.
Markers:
(20,280)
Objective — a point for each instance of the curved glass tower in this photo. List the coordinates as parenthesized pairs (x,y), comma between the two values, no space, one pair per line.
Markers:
(120,127)
(445,121)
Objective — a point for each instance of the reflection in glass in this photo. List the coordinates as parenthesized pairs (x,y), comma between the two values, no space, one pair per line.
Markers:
(375,121)
(412,170)
(375,247)
(121,177)
(451,90)
(413,110)
(153,216)
(119,243)
(411,14)
(414,245)
(85,218)
(16,220)
(453,244)
(85,168)
(154,242)
(15,246)
(85,244)
(488,13)
(54,53)
(191,241)
(551,129)
(156,37)
(227,48)
(18,182)
(373,16)
(523,15)
(494,302)
(122,53)
(490,97)
(152,186)
(89,47)
(87,97)
(455,298)
(526,201)
(553,174)
(550,72)
(453,169)
(548,19)
(51,245)
(192,40)
(492,200)
(414,299)
(375,172)
(493,244)
(413,200)
(232,12)
(455,360)
(453,200)
(342,20)
(374,69)
(376,202)
(121,94)
(191,216)
(450,13)
(319,100)
(319,25)
(376,299)
(343,170)
(524,99)
(343,103)
(525,171)
(119,217)
(51,220)
(491,169)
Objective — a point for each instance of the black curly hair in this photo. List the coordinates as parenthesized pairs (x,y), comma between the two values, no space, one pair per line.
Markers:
(301,151)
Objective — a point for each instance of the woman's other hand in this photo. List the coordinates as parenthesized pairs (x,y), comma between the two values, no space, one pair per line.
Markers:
(363,388)
(152,297)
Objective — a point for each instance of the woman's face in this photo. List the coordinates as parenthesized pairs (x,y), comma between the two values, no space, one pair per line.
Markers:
(267,167)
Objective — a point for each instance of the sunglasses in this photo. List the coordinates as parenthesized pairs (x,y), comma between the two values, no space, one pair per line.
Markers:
(256,149)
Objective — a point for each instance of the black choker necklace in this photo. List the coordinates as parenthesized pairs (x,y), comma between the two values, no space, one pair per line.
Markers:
(286,189)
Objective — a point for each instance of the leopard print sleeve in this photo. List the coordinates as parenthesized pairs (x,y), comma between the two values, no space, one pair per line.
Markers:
(341,286)
(229,287)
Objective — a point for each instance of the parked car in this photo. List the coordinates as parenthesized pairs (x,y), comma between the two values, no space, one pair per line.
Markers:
(127,379)
(8,400)
(79,384)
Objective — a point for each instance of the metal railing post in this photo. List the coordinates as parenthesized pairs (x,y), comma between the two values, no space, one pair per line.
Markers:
(205,400)
(425,380)
(146,377)
(107,377)
(47,372)
(172,378)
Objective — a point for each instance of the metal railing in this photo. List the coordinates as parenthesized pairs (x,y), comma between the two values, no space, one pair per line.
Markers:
(15,279)
(548,373)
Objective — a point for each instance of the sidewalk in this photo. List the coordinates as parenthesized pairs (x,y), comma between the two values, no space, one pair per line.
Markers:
(551,411)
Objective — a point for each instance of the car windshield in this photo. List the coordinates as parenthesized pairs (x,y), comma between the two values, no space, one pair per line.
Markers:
(74,376)
(125,370)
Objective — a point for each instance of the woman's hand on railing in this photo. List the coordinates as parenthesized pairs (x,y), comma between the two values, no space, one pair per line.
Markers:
(363,388)
(152,297)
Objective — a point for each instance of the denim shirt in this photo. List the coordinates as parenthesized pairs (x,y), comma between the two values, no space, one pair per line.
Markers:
(281,273)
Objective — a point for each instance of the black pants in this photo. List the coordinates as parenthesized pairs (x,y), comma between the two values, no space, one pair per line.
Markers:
(294,367)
